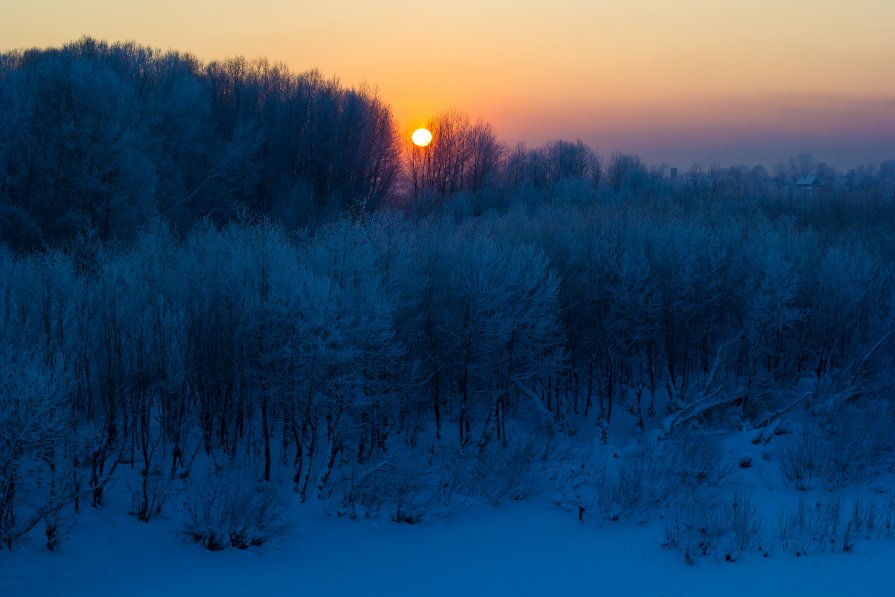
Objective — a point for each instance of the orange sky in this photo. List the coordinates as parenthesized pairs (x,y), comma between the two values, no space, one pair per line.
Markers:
(732,81)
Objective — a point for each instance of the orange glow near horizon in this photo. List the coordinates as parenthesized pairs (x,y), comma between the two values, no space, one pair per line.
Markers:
(708,80)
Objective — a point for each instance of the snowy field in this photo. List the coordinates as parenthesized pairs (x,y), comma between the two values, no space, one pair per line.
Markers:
(521,549)
(518,548)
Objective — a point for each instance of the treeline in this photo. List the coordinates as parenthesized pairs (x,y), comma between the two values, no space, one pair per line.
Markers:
(252,345)
(97,138)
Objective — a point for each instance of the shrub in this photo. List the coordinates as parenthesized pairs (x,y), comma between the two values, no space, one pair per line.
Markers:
(635,483)
(813,528)
(844,449)
(724,527)
(150,496)
(496,474)
(230,512)
(828,524)
(653,477)
(394,485)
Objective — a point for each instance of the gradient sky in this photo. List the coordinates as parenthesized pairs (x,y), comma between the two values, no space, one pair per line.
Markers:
(727,81)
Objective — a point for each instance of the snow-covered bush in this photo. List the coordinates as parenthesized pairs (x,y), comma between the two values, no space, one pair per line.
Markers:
(844,449)
(408,489)
(653,477)
(813,527)
(234,511)
(832,523)
(872,517)
(497,475)
(633,484)
(723,526)
(150,495)
(395,486)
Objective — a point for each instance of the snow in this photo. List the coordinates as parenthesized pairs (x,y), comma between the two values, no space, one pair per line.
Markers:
(531,548)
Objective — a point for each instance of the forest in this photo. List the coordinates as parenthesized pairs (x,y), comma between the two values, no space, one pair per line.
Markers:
(230,290)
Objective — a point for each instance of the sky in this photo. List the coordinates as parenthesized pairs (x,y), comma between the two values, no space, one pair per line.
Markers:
(710,81)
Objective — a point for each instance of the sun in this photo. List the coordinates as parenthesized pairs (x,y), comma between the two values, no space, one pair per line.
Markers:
(421,137)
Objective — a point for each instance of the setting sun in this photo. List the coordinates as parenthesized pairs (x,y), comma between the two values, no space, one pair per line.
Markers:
(421,137)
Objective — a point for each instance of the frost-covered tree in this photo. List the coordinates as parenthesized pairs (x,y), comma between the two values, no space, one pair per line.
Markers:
(463,157)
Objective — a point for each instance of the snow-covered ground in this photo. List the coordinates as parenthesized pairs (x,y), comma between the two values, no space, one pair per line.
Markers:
(531,548)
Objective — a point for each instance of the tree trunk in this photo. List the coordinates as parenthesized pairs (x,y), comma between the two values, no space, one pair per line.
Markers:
(265,430)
